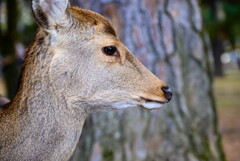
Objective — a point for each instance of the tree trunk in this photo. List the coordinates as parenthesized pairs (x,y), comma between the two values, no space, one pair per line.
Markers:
(217,43)
(218,49)
(8,39)
(167,36)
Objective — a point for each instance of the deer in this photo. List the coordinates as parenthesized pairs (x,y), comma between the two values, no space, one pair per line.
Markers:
(74,66)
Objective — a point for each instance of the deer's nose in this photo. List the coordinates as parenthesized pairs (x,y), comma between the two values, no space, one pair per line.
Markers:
(167,93)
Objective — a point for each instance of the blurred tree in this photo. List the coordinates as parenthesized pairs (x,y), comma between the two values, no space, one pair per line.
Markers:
(213,26)
(167,36)
(7,49)
(18,28)
(26,23)
(221,21)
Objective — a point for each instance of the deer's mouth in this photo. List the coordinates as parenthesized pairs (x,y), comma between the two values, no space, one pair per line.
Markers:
(142,102)
(151,104)
(150,101)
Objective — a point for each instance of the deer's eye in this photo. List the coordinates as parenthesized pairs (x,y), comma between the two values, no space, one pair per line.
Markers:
(110,51)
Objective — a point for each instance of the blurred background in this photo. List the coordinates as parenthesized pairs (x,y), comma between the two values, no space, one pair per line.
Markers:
(193,45)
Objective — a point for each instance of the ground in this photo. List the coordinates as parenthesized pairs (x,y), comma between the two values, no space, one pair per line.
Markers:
(227,92)
(230,129)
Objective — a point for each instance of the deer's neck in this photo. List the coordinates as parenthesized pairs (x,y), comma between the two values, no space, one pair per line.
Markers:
(45,123)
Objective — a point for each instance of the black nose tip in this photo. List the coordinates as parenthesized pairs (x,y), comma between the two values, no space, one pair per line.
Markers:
(167,92)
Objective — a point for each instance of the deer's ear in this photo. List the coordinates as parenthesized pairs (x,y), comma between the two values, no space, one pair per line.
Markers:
(49,13)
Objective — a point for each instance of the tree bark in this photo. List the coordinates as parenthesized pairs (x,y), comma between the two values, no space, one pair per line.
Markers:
(167,37)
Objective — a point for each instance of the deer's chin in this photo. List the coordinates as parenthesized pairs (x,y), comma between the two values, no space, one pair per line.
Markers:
(147,104)
(124,105)
(151,105)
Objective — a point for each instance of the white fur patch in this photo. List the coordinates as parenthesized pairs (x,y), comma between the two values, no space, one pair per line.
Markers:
(121,106)
(152,105)
(148,105)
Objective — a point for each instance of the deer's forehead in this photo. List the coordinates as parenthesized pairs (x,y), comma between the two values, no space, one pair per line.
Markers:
(93,18)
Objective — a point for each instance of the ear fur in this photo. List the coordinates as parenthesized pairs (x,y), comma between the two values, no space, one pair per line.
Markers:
(49,13)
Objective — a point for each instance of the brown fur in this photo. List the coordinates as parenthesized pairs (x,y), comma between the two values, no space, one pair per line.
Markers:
(65,76)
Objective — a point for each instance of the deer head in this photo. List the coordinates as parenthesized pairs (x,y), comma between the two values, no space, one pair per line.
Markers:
(90,65)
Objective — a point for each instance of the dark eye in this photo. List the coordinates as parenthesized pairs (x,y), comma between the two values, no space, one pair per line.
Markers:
(110,50)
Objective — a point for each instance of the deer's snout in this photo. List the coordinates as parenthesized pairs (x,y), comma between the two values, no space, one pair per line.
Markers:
(167,93)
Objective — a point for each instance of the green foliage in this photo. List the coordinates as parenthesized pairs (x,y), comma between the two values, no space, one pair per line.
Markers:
(107,153)
(26,24)
(222,19)
(23,22)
